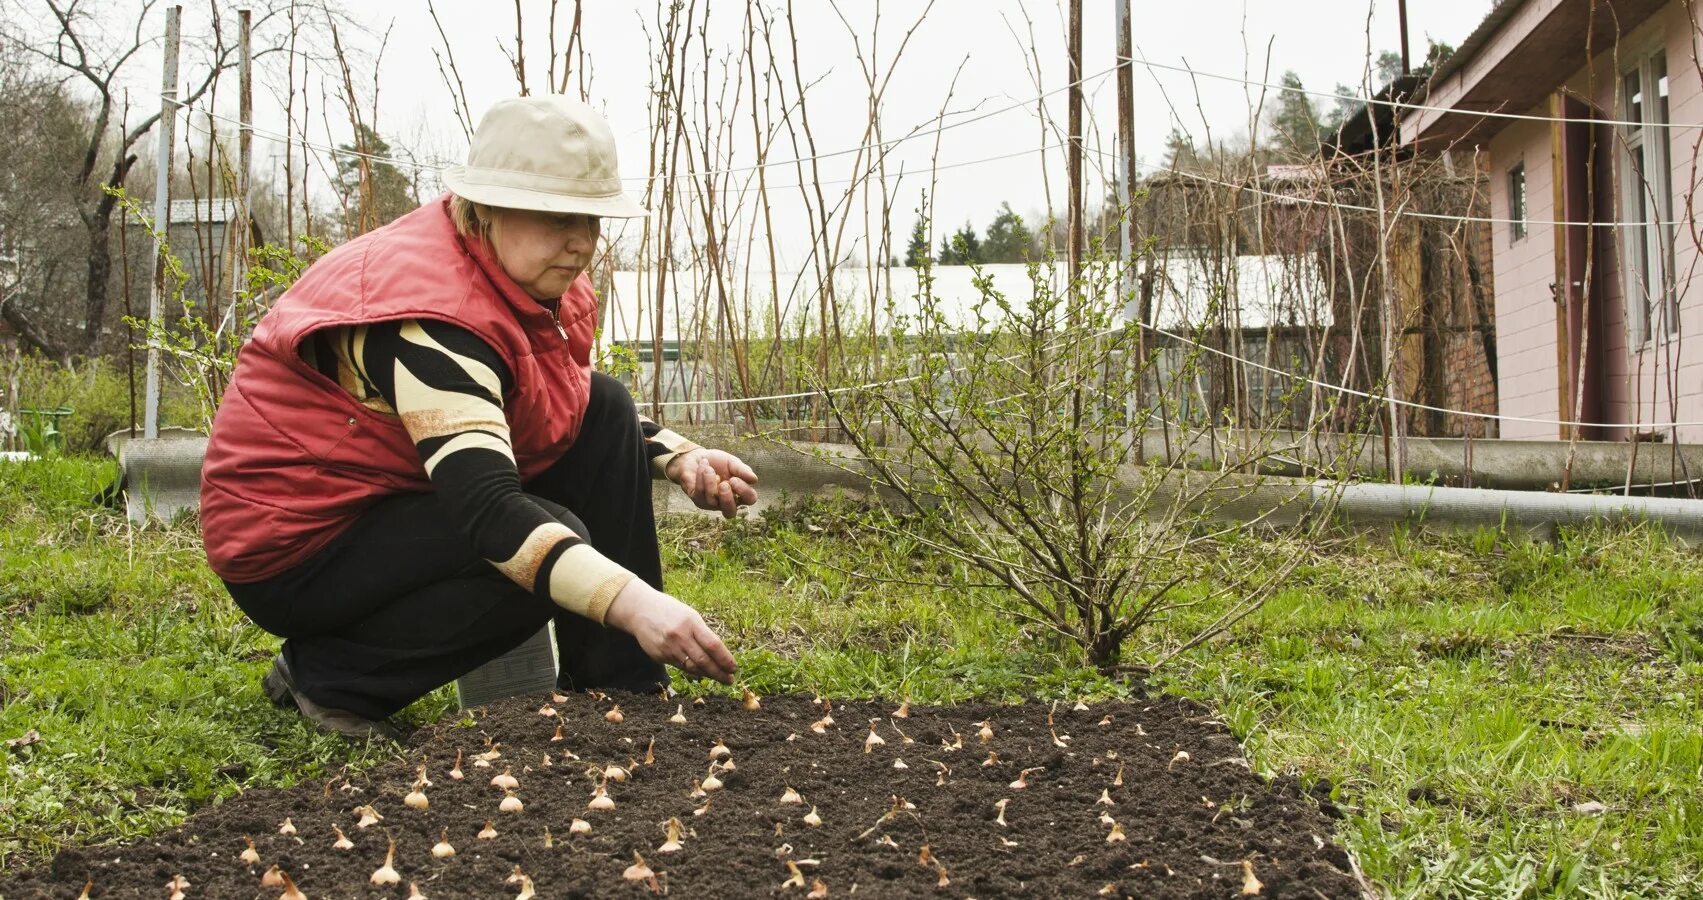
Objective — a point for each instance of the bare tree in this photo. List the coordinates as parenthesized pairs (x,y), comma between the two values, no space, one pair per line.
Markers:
(35,214)
(83,50)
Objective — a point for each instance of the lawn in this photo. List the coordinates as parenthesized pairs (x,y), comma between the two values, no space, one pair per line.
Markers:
(1495,717)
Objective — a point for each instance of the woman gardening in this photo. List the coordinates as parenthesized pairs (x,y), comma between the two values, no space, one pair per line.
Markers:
(414,467)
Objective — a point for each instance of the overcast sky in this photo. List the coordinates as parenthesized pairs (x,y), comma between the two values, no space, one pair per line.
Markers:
(1324,41)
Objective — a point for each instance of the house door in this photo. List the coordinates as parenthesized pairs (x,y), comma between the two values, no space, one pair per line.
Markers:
(1582,196)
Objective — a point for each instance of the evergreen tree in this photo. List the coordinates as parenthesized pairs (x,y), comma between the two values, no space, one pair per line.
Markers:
(948,255)
(1179,151)
(968,245)
(1387,69)
(961,249)
(1008,239)
(1293,121)
(1347,106)
(916,253)
(1435,53)
(392,193)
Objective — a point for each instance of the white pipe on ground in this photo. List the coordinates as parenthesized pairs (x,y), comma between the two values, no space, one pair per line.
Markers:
(1531,510)
(797,472)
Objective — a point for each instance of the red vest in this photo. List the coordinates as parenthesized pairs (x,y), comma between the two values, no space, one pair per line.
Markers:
(294,459)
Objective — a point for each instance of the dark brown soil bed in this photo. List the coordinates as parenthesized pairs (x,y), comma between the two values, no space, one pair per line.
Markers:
(1195,821)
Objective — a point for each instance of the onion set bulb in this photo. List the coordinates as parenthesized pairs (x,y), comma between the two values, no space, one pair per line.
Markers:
(386,874)
(673,843)
(874,740)
(291,892)
(443,849)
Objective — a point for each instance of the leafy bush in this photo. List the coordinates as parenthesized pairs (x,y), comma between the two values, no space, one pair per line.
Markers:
(97,392)
(199,351)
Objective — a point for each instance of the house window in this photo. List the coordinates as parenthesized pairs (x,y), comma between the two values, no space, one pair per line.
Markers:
(1646,201)
(1517,200)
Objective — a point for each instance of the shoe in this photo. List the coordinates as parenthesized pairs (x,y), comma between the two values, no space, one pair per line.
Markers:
(281,690)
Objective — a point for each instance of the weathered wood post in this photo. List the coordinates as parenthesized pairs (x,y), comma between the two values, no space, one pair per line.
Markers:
(162,219)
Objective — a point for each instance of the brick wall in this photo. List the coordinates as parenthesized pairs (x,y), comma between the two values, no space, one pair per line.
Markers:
(1471,389)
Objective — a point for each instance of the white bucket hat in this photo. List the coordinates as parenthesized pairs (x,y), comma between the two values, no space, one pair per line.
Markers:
(547,153)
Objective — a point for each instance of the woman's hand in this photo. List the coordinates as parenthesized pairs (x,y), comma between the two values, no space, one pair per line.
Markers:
(670,632)
(714,479)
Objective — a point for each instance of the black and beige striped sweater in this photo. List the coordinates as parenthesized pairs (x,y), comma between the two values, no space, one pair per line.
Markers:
(447,387)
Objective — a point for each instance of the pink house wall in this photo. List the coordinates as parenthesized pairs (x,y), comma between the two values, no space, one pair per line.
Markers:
(1525,308)
(1650,384)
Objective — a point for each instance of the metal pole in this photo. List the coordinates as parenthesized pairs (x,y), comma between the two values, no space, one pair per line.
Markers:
(1401,11)
(162,219)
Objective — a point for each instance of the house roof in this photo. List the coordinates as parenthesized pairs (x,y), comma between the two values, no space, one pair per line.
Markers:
(1514,59)
(1359,133)
(1480,36)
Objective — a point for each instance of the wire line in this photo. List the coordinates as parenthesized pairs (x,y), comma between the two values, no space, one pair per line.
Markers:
(957,165)
(1445,217)
(1409,403)
(438,167)
(1373,101)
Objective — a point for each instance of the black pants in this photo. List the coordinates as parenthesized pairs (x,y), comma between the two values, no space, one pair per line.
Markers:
(401,604)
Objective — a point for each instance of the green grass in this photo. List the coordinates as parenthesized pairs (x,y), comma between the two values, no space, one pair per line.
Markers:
(1462,695)
(122,651)
(1466,696)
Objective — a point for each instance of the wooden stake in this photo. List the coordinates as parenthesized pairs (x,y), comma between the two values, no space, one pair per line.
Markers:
(1075,152)
(162,215)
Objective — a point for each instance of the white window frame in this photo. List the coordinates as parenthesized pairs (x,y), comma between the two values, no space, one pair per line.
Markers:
(1518,199)
(1647,263)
